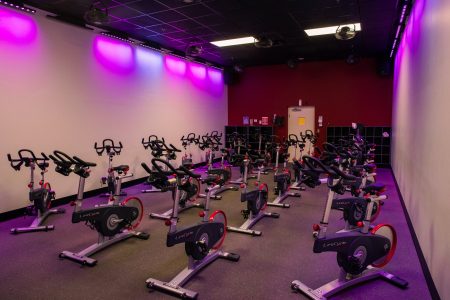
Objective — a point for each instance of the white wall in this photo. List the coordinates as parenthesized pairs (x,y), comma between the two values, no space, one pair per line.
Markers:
(63,87)
(421,126)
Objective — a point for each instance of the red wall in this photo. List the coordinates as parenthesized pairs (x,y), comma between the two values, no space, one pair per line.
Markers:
(341,93)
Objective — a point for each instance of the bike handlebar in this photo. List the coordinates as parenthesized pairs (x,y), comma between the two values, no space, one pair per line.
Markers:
(180,172)
(108,146)
(16,163)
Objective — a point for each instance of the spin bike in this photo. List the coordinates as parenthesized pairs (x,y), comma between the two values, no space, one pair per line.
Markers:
(202,242)
(186,142)
(189,192)
(114,222)
(311,138)
(360,253)
(41,197)
(263,153)
(296,165)
(354,209)
(111,150)
(158,148)
(224,172)
(256,203)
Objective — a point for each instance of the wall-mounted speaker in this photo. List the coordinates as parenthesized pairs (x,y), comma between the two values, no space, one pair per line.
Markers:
(231,76)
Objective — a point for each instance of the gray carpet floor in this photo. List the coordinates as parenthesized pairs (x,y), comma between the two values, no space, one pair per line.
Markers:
(31,269)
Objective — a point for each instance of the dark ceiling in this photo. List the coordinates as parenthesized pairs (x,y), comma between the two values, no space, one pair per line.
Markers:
(175,25)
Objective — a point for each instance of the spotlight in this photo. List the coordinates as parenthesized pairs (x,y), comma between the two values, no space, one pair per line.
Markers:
(194,50)
(97,13)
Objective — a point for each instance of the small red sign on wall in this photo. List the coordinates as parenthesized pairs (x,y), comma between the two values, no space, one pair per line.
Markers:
(265,121)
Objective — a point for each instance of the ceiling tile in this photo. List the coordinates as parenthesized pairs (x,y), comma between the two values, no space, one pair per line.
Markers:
(144,21)
(185,24)
(173,23)
(196,10)
(163,28)
(147,6)
(124,12)
(168,16)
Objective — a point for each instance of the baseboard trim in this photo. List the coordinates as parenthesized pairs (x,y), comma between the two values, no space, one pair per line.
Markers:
(423,263)
(65,200)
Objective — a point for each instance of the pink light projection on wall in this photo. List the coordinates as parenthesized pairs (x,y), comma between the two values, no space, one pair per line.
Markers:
(215,76)
(175,65)
(123,58)
(149,59)
(16,28)
(411,39)
(113,54)
(197,70)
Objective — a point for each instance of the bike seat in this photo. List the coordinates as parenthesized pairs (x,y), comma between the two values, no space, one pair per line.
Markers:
(121,168)
(369,167)
(259,162)
(374,188)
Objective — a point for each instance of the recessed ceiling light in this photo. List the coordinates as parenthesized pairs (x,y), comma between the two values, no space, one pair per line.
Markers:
(232,42)
(331,29)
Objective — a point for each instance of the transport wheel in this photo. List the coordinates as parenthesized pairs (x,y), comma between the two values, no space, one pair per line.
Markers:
(388,232)
(47,197)
(219,217)
(134,202)
(199,247)
(109,224)
(354,259)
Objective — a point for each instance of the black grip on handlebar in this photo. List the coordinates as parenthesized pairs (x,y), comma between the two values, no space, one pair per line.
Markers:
(188,172)
(293,137)
(63,156)
(158,168)
(146,168)
(339,173)
(173,148)
(180,172)
(109,146)
(84,163)
(313,163)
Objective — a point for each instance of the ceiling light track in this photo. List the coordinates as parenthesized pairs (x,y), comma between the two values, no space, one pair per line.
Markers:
(17,7)
(404,11)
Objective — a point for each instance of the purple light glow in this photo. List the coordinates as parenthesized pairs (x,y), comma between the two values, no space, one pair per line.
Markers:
(411,41)
(198,71)
(16,28)
(148,58)
(113,54)
(215,76)
(175,65)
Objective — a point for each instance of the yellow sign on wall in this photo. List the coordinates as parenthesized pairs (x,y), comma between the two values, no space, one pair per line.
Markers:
(301,121)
